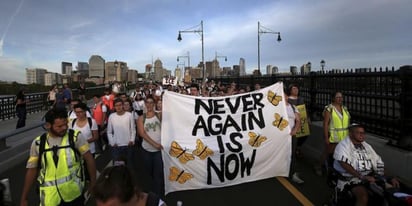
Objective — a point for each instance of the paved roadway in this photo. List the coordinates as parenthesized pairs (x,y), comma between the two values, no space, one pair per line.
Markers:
(274,191)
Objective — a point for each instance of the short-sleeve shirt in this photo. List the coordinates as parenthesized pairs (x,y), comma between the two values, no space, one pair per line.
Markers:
(86,131)
(80,145)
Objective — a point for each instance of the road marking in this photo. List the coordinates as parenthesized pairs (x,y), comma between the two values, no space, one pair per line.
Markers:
(295,192)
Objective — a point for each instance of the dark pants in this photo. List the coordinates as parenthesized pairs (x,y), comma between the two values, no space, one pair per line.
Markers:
(154,165)
(125,154)
(293,158)
(21,115)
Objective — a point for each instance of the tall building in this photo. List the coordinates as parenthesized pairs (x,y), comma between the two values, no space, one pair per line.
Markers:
(83,69)
(236,71)
(211,67)
(293,70)
(132,76)
(242,67)
(275,70)
(269,69)
(52,78)
(115,71)
(67,68)
(35,76)
(178,75)
(96,66)
(305,68)
(158,70)
(148,71)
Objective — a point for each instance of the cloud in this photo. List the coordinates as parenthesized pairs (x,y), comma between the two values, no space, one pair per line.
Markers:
(12,70)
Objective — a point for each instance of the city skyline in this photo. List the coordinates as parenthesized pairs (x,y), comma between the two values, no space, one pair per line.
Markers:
(346,34)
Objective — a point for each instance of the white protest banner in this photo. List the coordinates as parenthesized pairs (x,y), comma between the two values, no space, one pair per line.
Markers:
(223,141)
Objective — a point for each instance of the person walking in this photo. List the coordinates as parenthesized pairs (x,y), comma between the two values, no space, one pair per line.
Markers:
(299,103)
(51,97)
(336,119)
(67,95)
(294,124)
(82,92)
(21,110)
(121,132)
(56,162)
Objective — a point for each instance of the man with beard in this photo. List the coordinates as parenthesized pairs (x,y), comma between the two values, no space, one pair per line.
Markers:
(56,161)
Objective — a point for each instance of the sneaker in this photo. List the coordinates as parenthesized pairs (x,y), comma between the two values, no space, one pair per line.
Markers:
(296,179)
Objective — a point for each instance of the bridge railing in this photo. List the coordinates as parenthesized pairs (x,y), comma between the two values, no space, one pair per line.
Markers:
(36,102)
(381,99)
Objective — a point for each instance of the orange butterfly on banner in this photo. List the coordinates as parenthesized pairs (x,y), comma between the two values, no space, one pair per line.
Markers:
(280,122)
(177,151)
(255,139)
(201,150)
(274,98)
(179,176)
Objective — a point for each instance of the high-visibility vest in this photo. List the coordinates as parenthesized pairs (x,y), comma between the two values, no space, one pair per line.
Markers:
(98,113)
(109,102)
(338,126)
(64,182)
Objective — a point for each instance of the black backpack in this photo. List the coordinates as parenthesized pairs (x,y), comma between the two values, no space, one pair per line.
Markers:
(42,150)
(89,119)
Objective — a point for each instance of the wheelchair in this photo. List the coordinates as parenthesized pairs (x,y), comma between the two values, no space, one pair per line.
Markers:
(378,194)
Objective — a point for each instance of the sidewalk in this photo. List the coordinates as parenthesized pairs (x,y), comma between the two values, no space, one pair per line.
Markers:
(10,125)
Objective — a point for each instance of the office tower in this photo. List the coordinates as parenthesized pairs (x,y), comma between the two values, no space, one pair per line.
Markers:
(96,66)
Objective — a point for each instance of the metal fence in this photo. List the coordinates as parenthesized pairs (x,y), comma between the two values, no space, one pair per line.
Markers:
(36,102)
(378,98)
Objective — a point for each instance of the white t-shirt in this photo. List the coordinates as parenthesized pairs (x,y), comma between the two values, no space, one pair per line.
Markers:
(363,158)
(121,129)
(291,115)
(86,131)
(152,127)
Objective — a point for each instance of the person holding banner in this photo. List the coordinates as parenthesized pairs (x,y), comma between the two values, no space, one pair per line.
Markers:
(294,123)
(194,90)
(149,128)
(303,133)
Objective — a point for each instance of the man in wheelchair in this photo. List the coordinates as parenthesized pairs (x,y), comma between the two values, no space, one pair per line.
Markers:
(360,168)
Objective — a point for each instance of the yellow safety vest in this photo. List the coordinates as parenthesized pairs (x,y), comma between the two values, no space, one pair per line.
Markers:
(338,127)
(64,182)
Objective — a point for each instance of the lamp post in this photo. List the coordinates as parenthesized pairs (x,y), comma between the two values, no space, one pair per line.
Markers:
(322,64)
(264,30)
(199,31)
(188,59)
(217,56)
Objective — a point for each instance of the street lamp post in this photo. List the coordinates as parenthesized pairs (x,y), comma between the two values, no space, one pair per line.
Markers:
(217,56)
(188,59)
(264,30)
(199,31)
(322,64)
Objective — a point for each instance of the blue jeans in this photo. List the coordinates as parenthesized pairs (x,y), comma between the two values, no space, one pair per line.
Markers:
(120,153)
(153,163)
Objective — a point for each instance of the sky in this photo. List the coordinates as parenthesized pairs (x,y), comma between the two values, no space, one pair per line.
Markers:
(345,33)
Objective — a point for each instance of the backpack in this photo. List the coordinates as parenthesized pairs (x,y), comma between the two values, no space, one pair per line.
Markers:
(42,144)
(88,119)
